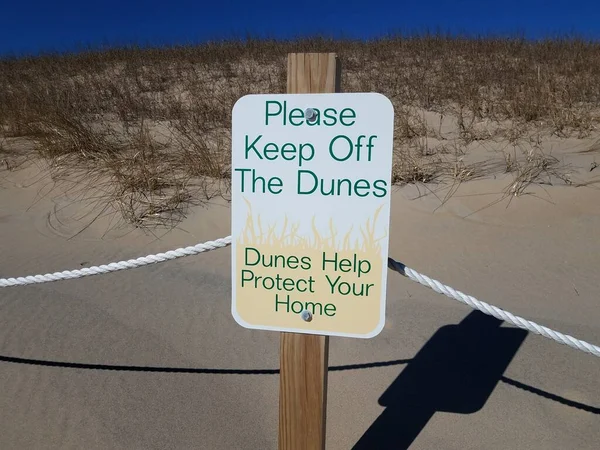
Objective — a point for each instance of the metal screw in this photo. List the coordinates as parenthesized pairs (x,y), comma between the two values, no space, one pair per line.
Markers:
(306,315)
(310,114)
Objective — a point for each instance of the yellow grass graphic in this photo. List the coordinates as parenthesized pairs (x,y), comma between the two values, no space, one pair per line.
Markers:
(287,237)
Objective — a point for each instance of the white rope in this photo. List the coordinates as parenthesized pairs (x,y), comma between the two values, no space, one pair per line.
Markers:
(121,265)
(493,310)
(394,265)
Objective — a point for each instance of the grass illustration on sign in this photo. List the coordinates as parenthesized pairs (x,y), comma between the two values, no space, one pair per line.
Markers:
(336,277)
(285,239)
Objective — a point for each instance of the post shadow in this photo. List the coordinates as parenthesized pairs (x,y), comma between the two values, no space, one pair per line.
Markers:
(455,371)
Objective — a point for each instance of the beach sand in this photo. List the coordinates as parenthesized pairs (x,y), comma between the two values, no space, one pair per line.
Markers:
(471,386)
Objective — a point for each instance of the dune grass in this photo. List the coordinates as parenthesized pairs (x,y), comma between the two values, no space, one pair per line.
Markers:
(152,124)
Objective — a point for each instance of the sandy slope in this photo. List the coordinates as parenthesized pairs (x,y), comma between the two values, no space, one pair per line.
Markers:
(538,258)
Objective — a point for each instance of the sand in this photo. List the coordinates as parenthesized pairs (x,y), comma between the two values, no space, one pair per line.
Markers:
(463,389)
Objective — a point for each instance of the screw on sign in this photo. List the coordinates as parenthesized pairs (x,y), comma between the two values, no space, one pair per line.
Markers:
(310,114)
(306,315)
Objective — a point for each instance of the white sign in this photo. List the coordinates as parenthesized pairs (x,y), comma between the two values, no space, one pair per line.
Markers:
(311,183)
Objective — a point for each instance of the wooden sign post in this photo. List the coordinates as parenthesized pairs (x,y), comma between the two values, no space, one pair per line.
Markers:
(304,357)
(311,180)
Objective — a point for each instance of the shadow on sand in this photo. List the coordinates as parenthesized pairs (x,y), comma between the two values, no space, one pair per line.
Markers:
(456,371)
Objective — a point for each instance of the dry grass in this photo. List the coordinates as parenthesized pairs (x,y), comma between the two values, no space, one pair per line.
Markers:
(536,168)
(152,125)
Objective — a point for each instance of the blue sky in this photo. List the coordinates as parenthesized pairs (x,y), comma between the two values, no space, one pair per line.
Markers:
(33,26)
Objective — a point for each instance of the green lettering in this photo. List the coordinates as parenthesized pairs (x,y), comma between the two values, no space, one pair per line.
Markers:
(298,304)
(361,184)
(286,148)
(332,283)
(351,115)
(331,150)
(362,262)
(344,288)
(309,156)
(381,187)
(334,260)
(311,280)
(243,179)
(329,308)
(247,250)
(266,281)
(267,114)
(278,302)
(339,186)
(288,284)
(345,264)
(271,147)
(317,119)
(252,147)
(314,178)
(275,183)
(314,308)
(298,285)
(327,115)
(296,113)
(247,273)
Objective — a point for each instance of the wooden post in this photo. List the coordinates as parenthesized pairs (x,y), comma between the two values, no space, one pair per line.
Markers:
(304,357)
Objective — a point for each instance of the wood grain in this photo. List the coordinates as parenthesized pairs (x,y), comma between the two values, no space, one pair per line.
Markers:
(304,357)
(303,391)
(312,73)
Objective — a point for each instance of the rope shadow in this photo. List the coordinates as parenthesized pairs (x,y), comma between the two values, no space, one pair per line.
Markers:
(126,368)
(233,371)
(550,396)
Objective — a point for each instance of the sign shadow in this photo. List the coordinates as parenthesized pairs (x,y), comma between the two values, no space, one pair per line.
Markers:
(456,371)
